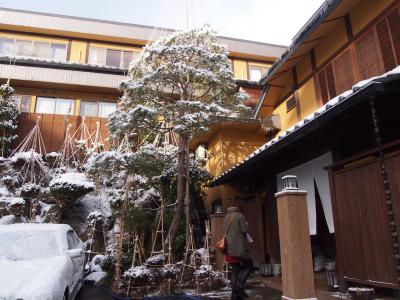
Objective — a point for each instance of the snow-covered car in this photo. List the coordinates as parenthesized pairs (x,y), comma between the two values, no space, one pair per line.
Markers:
(40,262)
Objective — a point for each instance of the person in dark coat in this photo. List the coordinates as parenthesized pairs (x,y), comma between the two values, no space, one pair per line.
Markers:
(238,254)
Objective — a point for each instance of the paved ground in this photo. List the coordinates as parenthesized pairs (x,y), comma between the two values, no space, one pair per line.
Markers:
(90,292)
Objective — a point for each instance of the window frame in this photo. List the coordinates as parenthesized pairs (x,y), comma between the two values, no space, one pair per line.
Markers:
(98,102)
(55,105)
(19,103)
(263,70)
(135,54)
(32,41)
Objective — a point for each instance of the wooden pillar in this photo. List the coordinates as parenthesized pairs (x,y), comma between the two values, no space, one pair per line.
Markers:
(295,245)
(217,222)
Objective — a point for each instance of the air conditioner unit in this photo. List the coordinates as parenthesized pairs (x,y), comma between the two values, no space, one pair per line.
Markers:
(201,153)
(272,124)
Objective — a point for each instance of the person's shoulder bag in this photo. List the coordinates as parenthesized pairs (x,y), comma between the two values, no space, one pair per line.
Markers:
(222,244)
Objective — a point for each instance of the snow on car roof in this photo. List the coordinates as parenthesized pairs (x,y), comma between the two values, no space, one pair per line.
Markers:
(54,227)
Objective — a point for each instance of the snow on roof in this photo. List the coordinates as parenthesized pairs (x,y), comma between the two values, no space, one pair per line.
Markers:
(320,111)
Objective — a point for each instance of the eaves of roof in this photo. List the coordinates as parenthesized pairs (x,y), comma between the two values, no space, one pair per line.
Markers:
(359,92)
(319,16)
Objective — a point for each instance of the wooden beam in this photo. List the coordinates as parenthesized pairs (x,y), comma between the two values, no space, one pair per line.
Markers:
(276,85)
(294,75)
(279,73)
(313,60)
(296,57)
(333,19)
(314,40)
(349,29)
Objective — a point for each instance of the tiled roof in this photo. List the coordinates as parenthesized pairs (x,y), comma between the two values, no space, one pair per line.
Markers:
(309,120)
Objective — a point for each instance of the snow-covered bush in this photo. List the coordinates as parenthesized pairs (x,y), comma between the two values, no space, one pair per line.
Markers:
(30,190)
(107,167)
(142,275)
(8,118)
(51,158)
(16,206)
(69,187)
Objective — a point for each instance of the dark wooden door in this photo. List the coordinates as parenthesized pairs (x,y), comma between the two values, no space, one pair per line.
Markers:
(253,214)
(363,238)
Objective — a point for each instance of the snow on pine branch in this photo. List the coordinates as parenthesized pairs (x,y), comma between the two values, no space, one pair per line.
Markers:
(183,79)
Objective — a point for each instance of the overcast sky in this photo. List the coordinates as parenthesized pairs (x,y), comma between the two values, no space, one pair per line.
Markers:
(270,21)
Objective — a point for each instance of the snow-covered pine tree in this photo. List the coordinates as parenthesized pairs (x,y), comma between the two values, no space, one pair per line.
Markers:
(8,118)
(185,81)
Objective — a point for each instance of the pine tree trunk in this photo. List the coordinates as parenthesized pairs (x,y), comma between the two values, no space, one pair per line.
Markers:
(180,189)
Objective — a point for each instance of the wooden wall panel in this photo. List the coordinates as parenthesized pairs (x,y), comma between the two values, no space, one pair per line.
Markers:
(377,240)
(393,169)
(364,238)
(349,219)
(53,128)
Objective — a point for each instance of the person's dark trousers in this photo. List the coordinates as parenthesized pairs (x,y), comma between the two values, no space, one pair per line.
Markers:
(235,270)
(239,274)
(246,268)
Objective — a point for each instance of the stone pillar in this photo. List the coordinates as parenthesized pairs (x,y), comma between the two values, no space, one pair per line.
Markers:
(295,245)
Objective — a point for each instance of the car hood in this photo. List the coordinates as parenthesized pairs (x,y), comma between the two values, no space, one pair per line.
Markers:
(33,279)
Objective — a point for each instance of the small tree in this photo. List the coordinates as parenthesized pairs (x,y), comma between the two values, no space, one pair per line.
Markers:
(8,118)
(181,83)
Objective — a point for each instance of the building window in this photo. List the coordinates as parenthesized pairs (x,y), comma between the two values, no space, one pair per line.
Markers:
(326,84)
(29,48)
(367,55)
(23,102)
(113,58)
(58,52)
(126,59)
(41,49)
(89,109)
(106,108)
(97,109)
(290,103)
(256,72)
(23,48)
(97,56)
(110,57)
(6,46)
(59,106)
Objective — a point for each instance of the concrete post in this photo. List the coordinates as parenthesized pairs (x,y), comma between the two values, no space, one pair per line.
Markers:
(295,244)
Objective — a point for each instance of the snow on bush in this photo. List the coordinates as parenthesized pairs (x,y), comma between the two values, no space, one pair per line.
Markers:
(8,118)
(20,158)
(30,190)
(95,269)
(141,275)
(170,271)
(156,260)
(69,187)
(16,206)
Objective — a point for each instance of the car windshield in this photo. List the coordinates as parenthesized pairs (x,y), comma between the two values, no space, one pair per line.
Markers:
(16,244)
